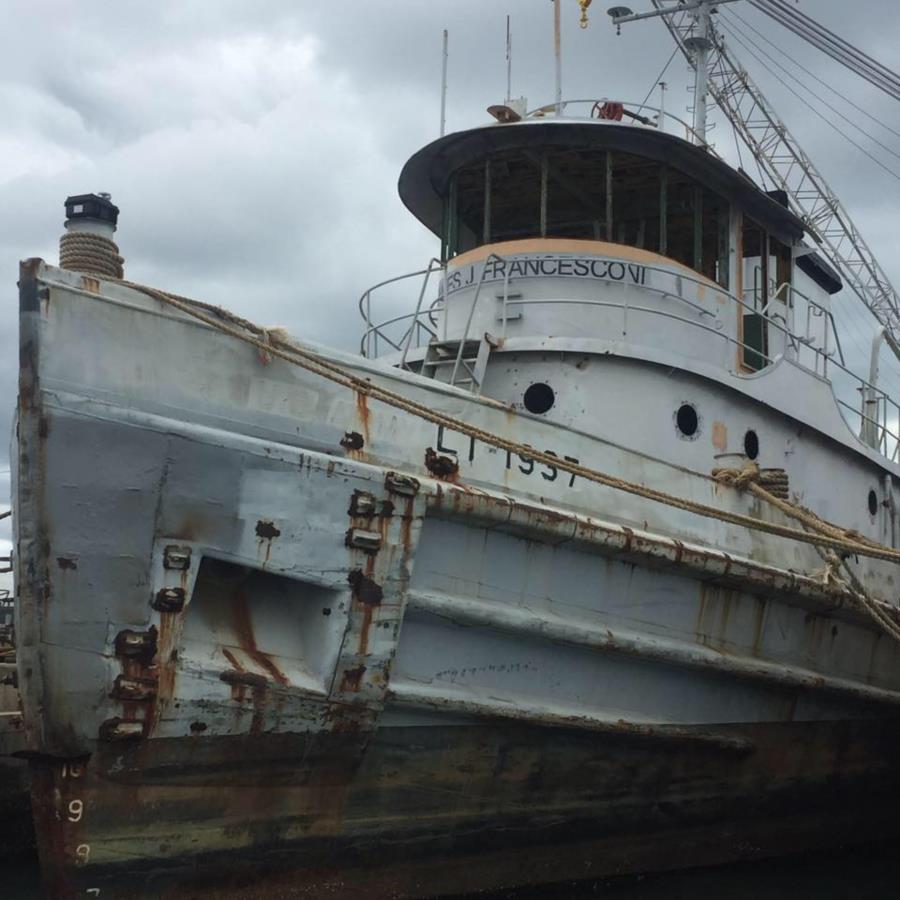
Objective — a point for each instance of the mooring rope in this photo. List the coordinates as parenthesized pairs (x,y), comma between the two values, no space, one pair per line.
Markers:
(273,343)
(296,355)
(756,480)
(82,251)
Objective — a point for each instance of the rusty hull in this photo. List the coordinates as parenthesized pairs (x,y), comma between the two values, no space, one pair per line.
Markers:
(276,640)
(430,811)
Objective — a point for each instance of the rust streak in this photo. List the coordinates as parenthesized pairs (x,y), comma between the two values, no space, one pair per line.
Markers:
(166,660)
(250,679)
(364,630)
(243,628)
(352,678)
(406,528)
(232,659)
(362,409)
(238,689)
(260,698)
(441,466)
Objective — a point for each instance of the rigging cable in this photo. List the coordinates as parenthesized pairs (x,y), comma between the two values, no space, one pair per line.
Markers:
(736,28)
(829,43)
(817,78)
(859,328)
(835,47)
(812,108)
(658,79)
(848,51)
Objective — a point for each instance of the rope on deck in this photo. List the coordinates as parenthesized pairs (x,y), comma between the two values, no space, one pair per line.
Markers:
(81,251)
(752,478)
(819,533)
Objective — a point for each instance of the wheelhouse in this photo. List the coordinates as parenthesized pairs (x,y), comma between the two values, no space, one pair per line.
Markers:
(610,183)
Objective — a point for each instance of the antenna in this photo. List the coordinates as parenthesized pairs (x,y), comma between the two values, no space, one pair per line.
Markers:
(697,47)
(508,61)
(444,87)
(558,51)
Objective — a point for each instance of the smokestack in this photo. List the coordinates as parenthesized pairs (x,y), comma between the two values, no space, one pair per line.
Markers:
(88,245)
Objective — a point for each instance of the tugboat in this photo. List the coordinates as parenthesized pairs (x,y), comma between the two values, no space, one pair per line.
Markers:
(581,568)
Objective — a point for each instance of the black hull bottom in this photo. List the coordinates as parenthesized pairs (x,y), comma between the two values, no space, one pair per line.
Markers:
(16,829)
(426,811)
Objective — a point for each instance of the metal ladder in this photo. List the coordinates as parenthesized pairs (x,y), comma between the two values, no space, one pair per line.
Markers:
(468,356)
(466,360)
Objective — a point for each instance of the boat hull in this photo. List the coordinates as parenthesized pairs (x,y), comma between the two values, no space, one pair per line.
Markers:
(277,637)
(16,827)
(421,811)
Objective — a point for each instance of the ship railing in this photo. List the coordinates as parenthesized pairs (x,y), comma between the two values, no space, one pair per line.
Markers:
(820,334)
(407,331)
(662,115)
(876,419)
(824,354)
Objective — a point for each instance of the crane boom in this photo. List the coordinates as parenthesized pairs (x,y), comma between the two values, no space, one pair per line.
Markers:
(788,166)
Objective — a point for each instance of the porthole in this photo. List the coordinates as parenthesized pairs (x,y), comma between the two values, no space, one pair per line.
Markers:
(539,398)
(873,503)
(687,421)
(751,444)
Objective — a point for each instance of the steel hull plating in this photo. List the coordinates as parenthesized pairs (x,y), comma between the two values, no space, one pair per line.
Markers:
(430,810)
(276,638)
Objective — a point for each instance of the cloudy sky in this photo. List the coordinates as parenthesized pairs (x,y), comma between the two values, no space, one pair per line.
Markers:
(253,147)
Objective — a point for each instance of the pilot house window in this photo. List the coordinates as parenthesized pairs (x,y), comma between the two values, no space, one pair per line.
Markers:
(590,195)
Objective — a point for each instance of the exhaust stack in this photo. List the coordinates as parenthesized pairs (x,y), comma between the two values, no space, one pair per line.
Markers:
(87,245)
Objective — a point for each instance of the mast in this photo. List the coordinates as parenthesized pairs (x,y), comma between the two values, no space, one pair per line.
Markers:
(791,169)
(444,87)
(508,61)
(700,45)
(558,53)
(779,154)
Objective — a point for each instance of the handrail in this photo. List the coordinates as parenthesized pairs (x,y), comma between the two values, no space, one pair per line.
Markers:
(415,319)
(812,308)
(538,111)
(462,343)
(871,395)
(881,398)
(374,330)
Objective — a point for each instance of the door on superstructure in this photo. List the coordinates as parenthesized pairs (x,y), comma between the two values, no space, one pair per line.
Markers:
(766,296)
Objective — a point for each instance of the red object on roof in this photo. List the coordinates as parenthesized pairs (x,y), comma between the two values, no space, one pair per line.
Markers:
(610,110)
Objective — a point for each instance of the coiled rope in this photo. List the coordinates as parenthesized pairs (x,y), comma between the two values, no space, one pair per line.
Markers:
(82,251)
(752,478)
(821,534)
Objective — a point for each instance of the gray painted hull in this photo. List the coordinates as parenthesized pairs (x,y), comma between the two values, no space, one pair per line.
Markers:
(263,645)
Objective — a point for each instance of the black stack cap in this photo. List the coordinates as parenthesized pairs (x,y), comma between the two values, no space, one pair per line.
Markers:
(91,206)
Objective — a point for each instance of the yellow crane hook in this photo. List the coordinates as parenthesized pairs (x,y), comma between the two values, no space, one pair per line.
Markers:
(584,4)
